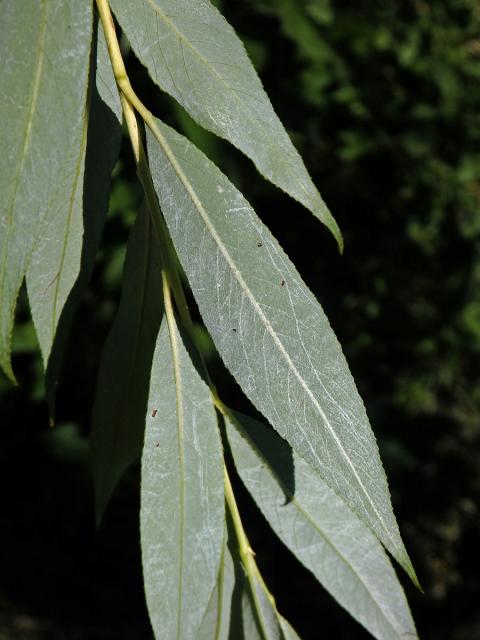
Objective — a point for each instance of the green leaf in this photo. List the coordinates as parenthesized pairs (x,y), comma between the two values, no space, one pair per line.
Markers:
(103,145)
(270,331)
(122,389)
(320,529)
(216,621)
(182,502)
(45,52)
(193,54)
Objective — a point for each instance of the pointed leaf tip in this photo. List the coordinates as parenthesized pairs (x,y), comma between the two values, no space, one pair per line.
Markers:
(185,47)
(320,530)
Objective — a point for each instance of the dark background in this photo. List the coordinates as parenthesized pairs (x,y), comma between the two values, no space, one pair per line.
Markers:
(382,98)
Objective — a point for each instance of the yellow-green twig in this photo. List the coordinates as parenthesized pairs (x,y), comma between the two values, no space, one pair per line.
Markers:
(170,277)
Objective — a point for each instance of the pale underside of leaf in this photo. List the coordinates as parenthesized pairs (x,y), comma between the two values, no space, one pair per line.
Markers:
(216,621)
(103,144)
(259,615)
(182,501)
(320,529)
(270,331)
(44,75)
(193,54)
(55,262)
(122,389)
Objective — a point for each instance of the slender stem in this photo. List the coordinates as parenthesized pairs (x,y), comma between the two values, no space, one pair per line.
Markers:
(129,98)
(171,280)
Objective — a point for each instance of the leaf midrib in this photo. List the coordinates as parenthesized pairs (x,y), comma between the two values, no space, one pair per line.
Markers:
(245,109)
(306,514)
(254,583)
(236,272)
(220,584)
(183,38)
(181,458)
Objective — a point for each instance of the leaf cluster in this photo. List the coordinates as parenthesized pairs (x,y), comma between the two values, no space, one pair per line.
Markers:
(319,480)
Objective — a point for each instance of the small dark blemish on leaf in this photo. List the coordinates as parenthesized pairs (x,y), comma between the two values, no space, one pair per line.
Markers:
(234,330)
(259,244)
(154,413)
(282,283)
(157,444)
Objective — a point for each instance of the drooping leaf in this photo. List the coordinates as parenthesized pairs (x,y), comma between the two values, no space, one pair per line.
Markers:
(182,501)
(122,389)
(193,54)
(320,530)
(44,75)
(270,331)
(103,144)
(216,621)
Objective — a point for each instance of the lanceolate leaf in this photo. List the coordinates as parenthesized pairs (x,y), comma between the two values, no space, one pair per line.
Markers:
(103,144)
(320,530)
(44,74)
(270,331)
(193,54)
(182,502)
(122,388)
(216,621)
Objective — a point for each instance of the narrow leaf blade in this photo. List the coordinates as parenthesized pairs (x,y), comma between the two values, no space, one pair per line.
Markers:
(320,530)
(182,502)
(122,389)
(44,75)
(103,145)
(270,331)
(193,54)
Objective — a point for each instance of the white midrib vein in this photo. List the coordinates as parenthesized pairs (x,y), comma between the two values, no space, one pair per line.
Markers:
(310,197)
(306,514)
(266,323)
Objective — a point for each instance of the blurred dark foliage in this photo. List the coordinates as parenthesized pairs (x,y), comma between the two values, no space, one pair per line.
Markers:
(383,101)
